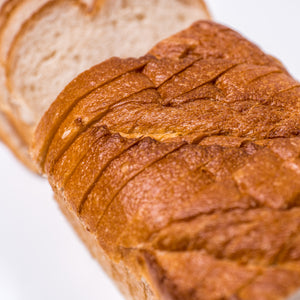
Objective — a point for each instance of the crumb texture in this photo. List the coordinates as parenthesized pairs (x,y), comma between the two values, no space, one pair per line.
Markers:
(184,165)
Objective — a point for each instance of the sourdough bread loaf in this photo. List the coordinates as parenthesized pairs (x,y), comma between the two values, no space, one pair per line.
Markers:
(181,169)
(44,44)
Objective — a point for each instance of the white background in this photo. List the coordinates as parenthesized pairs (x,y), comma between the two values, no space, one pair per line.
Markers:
(40,256)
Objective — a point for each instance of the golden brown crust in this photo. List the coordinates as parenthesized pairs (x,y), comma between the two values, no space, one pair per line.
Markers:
(185,168)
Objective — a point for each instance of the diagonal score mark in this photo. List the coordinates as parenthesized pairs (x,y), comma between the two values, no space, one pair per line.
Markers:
(122,170)
(102,169)
(215,78)
(81,158)
(286,90)
(89,125)
(177,72)
(264,75)
(134,176)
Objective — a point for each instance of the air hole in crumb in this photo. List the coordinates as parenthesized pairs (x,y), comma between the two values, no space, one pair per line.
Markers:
(181,17)
(49,56)
(76,57)
(124,4)
(140,16)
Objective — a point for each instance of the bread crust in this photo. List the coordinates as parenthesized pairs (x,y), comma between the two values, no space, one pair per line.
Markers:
(192,183)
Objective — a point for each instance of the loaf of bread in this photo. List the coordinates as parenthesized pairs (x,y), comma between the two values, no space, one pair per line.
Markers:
(180,169)
(44,44)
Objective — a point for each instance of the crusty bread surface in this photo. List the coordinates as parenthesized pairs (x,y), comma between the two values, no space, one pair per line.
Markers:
(181,168)
(44,44)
